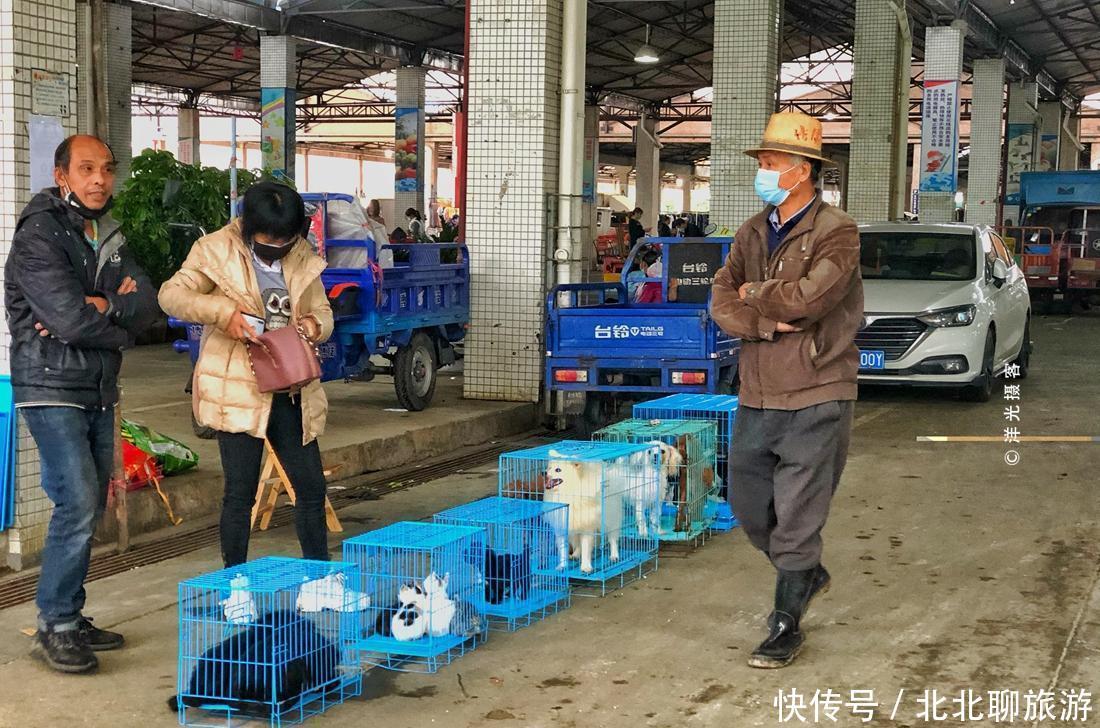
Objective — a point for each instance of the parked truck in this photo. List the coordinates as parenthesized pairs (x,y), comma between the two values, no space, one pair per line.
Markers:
(1058,238)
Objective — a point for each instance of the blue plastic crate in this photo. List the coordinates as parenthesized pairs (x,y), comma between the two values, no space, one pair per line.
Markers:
(688,472)
(423,581)
(266,641)
(612,492)
(718,408)
(524,578)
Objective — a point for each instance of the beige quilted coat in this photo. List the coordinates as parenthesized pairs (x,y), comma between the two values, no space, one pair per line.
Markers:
(216,278)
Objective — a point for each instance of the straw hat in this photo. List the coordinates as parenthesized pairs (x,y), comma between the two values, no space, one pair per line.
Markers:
(792,132)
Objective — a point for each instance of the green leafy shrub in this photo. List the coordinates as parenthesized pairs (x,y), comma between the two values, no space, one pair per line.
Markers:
(164,202)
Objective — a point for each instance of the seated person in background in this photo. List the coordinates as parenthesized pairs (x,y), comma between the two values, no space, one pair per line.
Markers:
(637,275)
(684,228)
(663,229)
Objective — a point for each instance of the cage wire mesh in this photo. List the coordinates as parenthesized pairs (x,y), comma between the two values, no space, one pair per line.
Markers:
(718,408)
(423,582)
(266,641)
(522,581)
(611,490)
(687,480)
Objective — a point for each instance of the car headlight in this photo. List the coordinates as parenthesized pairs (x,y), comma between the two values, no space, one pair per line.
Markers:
(957,316)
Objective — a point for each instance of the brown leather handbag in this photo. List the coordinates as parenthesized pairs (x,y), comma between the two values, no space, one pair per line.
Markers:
(283,360)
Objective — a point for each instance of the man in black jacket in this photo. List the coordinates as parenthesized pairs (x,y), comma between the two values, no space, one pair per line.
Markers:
(75,299)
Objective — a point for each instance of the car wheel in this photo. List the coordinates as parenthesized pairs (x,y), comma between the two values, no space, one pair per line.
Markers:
(1023,359)
(982,390)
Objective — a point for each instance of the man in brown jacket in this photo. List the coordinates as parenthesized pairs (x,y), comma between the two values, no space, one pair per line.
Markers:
(792,291)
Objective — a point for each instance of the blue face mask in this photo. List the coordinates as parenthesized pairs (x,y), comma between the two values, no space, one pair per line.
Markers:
(767,186)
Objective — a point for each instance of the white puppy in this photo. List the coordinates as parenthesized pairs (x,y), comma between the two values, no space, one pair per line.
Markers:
(594,509)
(645,480)
(440,607)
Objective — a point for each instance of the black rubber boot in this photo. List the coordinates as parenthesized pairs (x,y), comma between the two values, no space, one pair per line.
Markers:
(822,582)
(64,651)
(784,641)
(100,640)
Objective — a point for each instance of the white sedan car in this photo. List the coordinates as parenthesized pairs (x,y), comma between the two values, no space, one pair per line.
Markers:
(944,305)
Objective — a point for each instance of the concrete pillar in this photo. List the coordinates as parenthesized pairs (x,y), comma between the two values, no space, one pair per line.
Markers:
(943,58)
(514,119)
(1069,154)
(986,136)
(278,78)
(431,160)
(189,136)
(880,112)
(590,178)
(647,165)
(1050,135)
(746,69)
(38,59)
(623,176)
(104,109)
(1021,140)
(409,140)
(688,184)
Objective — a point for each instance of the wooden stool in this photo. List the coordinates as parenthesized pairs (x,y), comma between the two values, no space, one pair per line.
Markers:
(274,480)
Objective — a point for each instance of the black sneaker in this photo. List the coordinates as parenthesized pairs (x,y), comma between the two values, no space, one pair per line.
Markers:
(64,651)
(100,640)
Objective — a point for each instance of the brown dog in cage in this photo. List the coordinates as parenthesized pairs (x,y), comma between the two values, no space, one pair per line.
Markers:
(689,510)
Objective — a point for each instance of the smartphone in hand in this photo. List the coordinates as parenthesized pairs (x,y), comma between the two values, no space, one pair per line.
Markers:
(255,322)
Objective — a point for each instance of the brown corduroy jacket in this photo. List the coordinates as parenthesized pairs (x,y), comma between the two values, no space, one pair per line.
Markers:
(812,281)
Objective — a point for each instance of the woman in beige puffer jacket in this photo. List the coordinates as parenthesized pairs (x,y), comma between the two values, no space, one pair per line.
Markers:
(220,281)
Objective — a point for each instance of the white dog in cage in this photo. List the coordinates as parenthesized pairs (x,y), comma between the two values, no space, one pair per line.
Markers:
(647,493)
(595,507)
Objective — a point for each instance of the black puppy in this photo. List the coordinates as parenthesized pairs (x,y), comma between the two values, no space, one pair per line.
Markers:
(507,575)
(232,673)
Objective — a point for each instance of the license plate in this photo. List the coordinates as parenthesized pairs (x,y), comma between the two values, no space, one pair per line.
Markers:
(872,360)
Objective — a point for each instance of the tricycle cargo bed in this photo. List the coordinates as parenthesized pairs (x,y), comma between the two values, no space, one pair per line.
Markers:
(622,332)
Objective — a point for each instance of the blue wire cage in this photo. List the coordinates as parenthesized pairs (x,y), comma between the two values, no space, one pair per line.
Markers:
(423,581)
(614,505)
(687,475)
(720,409)
(522,582)
(266,641)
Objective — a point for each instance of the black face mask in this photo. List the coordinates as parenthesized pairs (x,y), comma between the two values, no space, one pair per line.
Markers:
(86,212)
(271,253)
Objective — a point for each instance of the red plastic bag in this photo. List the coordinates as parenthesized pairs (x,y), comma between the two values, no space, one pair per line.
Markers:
(140,468)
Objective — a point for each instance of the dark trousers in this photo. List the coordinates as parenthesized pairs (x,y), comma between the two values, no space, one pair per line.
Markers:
(784,467)
(76,450)
(242,455)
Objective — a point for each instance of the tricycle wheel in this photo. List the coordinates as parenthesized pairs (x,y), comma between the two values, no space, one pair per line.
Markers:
(202,431)
(414,373)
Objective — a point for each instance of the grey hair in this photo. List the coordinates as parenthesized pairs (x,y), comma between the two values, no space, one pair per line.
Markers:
(815,166)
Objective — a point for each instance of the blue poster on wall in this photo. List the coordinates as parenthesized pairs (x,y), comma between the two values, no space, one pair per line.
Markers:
(940,137)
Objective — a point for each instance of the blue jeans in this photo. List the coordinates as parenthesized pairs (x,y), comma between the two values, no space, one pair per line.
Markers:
(76,448)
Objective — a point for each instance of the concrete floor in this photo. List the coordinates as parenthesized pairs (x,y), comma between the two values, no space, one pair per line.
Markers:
(952,571)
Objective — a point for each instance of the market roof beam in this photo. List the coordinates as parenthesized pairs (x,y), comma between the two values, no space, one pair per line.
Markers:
(315,29)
